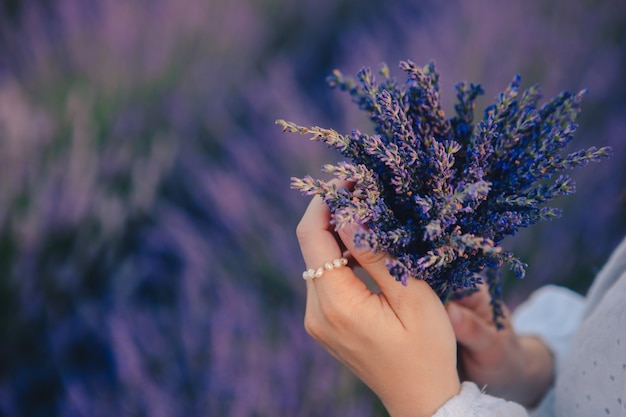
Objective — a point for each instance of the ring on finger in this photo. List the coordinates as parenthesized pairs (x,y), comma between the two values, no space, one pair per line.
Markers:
(312,273)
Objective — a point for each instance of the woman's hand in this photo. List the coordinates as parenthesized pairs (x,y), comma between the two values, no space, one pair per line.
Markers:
(518,368)
(399,342)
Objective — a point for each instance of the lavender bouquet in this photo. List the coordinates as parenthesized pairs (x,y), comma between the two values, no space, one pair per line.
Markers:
(439,195)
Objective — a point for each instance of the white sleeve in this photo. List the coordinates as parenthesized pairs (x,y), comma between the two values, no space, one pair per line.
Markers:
(553,314)
(472,402)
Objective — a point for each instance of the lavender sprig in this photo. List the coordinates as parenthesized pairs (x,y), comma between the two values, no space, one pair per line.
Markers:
(439,195)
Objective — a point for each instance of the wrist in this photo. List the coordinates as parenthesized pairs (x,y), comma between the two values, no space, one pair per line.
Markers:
(525,375)
(537,370)
(427,401)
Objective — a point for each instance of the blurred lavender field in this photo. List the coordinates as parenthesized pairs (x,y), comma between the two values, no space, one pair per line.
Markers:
(148,262)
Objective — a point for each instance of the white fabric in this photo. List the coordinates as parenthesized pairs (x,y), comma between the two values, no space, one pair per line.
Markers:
(588,339)
(472,402)
(592,381)
(553,314)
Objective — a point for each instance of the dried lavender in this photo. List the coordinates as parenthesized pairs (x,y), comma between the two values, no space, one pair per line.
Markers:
(437,194)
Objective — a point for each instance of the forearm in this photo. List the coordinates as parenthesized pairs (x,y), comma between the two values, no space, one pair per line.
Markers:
(537,371)
(550,317)
(530,373)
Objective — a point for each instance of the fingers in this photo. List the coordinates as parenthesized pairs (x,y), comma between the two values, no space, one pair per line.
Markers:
(404,299)
(472,320)
(373,262)
(471,330)
(319,244)
(479,302)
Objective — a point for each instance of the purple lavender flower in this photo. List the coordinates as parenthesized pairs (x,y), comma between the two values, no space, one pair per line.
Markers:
(437,194)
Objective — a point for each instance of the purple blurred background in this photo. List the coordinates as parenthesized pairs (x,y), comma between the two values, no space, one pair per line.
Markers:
(148,262)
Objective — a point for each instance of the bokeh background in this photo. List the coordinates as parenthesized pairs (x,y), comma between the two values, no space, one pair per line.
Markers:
(148,262)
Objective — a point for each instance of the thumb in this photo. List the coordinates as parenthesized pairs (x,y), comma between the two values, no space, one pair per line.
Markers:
(401,298)
(470,329)
(373,262)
